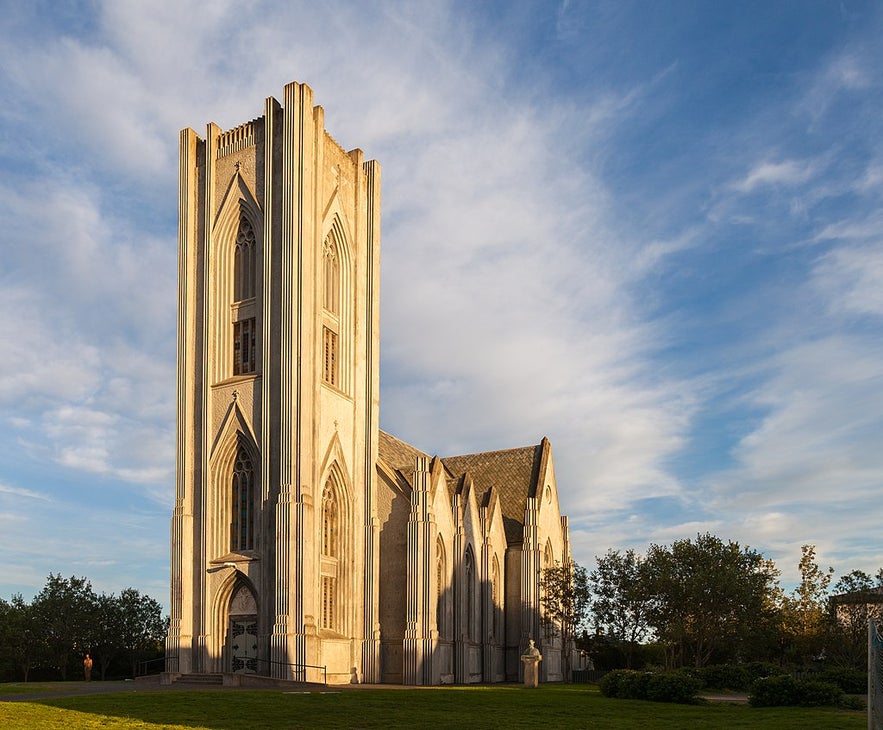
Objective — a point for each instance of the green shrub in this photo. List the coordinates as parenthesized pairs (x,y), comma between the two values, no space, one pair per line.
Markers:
(726,676)
(811,693)
(673,687)
(609,684)
(633,686)
(850,702)
(784,690)
(758,670)
(773,691)
(851,681)
(626,684)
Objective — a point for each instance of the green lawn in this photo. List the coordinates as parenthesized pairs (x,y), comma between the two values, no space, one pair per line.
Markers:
(569,706)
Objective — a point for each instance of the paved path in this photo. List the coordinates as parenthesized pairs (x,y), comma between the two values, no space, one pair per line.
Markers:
(51,690)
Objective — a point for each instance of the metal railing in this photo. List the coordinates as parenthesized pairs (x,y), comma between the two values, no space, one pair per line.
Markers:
(298,671)
(144,666)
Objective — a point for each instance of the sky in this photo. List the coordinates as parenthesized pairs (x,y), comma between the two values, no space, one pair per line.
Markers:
(649,231)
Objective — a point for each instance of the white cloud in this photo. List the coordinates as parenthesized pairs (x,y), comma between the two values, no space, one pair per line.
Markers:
(851,279)
(786,173)
(19,492)
(816,443)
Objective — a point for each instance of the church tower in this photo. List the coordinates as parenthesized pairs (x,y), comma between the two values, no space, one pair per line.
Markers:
(274,539)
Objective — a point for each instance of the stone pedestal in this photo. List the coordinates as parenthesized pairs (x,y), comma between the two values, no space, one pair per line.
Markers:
(531,660)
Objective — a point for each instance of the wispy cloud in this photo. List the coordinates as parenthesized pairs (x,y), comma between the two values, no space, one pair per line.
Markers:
(784,173)
(19,492)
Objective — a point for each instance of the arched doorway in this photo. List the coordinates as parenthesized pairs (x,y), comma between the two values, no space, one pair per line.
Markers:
(243,631)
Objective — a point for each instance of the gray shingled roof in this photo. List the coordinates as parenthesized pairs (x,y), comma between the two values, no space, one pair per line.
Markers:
(513,472)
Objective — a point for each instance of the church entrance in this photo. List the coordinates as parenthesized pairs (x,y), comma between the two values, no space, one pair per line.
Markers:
(243,631)
(244,646)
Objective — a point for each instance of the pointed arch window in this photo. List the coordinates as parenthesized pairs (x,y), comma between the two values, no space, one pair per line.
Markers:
(331,311)
(332,552)
(496,602)
(331,267)
(243,262)
(441,583)
(242,527)
(245,336)
(469,573)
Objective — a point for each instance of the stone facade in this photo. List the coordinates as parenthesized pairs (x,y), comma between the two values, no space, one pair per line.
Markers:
(302,535)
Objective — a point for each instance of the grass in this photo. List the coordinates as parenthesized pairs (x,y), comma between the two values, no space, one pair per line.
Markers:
(567,706)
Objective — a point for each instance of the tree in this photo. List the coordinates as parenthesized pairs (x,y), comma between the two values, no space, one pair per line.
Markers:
(21,640)
(706,596)
(804,611)
(565,598)
(856,599)
(620,603)
(142,624)
(106,639)
(65,610)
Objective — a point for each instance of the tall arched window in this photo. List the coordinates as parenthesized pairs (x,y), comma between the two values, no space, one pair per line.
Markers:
(242,526)
(548,562)
(469,574)
(243,262)
(441,583)
(243,310)
(329,523)
(331,266)
(496,602)
(331,312)
(331,556)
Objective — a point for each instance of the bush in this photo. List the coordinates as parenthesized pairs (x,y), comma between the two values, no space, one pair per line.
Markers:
(633,686)
(853,703)
(726,676)
(759,670)
(784,690)
(626,684)
(609,684)
(851,681)
(818,694)
(673,687)
(773,692)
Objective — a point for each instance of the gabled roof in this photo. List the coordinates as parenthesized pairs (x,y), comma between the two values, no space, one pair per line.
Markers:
(397,454)
(513,472)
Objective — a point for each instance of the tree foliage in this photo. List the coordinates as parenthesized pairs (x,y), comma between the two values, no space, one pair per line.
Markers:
(67,619)
(803,612)
(565,599)
(856,599)
(705,595)
(620,603)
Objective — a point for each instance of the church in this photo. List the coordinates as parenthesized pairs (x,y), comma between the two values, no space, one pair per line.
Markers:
(306,542)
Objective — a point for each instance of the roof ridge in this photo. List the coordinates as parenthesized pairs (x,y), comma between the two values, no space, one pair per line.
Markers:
(494,452)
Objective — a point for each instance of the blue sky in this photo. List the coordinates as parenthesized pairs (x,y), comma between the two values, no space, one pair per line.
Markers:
(649,231)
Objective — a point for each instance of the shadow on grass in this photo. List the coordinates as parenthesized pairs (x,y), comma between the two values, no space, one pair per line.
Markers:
(474,707)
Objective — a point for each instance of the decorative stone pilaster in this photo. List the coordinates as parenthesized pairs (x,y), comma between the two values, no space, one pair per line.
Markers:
(418,636)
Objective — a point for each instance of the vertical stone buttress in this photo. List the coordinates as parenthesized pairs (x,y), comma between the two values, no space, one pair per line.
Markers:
(459,594)
(178,640)
(418,629)
(530,580)
(201,482)
(486,594)
(287,643)
(371,620)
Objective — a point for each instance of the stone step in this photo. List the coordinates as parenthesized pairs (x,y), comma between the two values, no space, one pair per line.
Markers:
(201,678)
